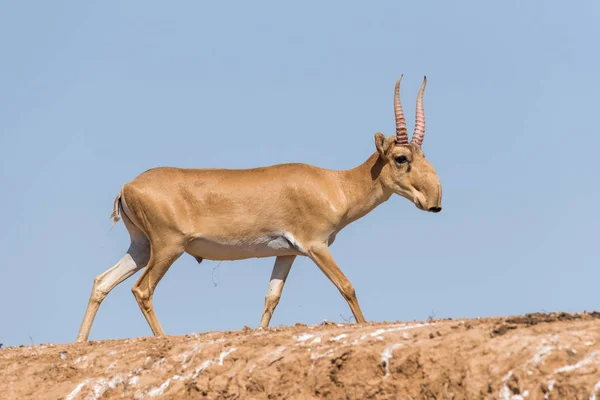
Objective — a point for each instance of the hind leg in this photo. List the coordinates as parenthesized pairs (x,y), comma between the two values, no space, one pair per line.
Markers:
(136,258)
(282,267)
(163,256)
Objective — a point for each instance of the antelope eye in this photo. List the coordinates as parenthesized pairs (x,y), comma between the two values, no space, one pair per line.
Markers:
(401,159)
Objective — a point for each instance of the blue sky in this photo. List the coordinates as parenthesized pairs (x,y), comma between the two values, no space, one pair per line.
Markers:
(92,94)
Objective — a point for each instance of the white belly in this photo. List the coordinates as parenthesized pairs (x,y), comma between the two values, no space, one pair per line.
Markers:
(220,249)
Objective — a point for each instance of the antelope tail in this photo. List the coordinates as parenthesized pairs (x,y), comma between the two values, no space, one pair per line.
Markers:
(116,214)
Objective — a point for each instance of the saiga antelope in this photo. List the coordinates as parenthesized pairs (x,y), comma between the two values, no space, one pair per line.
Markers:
(281,211)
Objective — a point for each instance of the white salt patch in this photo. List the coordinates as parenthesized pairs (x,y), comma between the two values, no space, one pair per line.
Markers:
(304,337)
(360,339)
(112,352)
(338,338)
(159,390)
(505,392)
(115,381)
(387,354)
(275,352)
(251,368)
(77,389)
(100,387)
(184,357)
(379,332)
(269,356)
(595,391)
(187,356)
(316,340)
(543,352)
(589,343)
(405,327)
(592,358)
(550,387)
(225,354)
(201,368)
(326,354)
(208,363)
(133,380)
(80,359)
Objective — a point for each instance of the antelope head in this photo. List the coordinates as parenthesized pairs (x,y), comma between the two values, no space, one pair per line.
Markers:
(405,171)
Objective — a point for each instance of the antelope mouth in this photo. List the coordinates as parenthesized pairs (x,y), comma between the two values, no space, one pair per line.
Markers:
(430,209)
(419,205)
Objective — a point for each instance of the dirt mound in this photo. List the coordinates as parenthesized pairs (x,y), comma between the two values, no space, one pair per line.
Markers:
(536,356)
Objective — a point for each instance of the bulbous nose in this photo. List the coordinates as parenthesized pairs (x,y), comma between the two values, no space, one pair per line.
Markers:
(435,209)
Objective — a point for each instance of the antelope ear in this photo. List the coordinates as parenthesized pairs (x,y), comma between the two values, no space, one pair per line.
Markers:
(382,144)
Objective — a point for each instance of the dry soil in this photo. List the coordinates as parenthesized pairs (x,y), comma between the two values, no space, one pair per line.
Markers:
(536,356)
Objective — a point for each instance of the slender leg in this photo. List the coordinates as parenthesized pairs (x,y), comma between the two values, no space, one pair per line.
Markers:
(137,257)
(282,267)
(161,260)
(322,257)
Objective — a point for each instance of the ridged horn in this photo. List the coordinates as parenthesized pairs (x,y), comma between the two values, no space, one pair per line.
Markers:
(401,132)
(419,133)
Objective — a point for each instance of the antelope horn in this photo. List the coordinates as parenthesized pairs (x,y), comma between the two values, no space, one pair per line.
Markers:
(420,117)
(401,133)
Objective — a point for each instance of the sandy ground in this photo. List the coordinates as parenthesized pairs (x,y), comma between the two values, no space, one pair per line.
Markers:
(537,356)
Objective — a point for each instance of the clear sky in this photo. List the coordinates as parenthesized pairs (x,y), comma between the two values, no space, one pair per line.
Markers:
(94,93)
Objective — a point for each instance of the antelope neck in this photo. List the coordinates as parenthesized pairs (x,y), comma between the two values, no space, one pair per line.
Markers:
(363,188)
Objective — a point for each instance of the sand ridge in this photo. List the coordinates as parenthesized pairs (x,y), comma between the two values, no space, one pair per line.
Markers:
(536,356)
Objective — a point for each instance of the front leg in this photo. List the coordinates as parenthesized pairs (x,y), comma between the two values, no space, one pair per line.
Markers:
(322,257)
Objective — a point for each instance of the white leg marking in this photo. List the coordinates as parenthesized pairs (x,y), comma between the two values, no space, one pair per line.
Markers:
(282,267)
